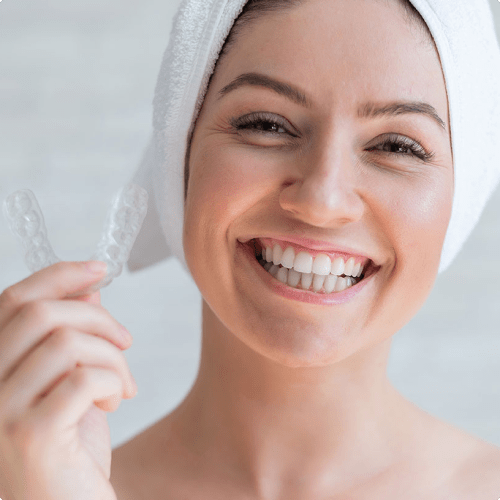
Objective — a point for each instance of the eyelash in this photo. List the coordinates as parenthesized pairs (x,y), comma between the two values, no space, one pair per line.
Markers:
(259,119)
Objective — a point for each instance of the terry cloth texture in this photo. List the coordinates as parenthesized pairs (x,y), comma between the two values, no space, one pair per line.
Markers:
(464,34)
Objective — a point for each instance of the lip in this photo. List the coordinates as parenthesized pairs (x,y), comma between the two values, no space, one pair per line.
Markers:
(248,257)
(308,244)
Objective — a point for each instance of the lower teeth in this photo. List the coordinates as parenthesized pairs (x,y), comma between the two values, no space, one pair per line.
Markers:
(332,285)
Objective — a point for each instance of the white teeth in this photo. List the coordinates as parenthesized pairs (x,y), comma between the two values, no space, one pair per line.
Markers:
(338,266)
(330,281)
(288,258)
(306,280)
(269,254)
(277,254)
(318,281)
(293,277)
(274,270)
(349,265)
(356,269)
(341,284)
(322,265)
(303,262)
(282,275)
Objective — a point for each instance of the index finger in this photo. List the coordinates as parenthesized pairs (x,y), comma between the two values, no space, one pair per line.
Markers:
(91,298)
(55,282)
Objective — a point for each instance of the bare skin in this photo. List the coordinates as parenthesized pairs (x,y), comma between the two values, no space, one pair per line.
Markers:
(61,369)
(292,400)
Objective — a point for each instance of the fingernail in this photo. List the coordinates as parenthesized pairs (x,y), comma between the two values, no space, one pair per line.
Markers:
(96,266)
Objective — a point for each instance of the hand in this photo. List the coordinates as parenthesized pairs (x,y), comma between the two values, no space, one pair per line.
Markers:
(61,369)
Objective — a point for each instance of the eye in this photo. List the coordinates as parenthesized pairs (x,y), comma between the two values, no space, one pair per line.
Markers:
(263,123)
(269,124)
(395,144)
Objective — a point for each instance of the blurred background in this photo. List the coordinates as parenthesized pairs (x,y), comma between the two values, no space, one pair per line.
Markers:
(76,86)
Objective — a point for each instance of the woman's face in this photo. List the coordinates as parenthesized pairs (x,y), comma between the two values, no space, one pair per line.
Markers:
(322,173)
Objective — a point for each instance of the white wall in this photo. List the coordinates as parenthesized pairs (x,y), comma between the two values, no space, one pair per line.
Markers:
(76,87)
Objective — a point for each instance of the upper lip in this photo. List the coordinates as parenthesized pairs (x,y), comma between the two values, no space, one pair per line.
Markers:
(312,244)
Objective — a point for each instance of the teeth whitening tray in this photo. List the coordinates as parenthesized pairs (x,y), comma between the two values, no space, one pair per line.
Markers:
(123,223)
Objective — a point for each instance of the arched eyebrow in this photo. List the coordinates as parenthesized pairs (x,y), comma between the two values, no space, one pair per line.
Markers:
(258,80)
(372,110)
(367,110)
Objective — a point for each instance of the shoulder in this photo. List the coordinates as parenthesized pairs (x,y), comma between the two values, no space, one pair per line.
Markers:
(462,466)
(478,475)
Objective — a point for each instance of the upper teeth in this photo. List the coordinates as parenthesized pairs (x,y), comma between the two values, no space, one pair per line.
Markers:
(304,262)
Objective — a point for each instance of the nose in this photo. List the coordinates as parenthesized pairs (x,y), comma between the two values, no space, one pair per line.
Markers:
(325,191)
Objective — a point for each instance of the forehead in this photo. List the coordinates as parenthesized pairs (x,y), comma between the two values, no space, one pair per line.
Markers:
(342,53)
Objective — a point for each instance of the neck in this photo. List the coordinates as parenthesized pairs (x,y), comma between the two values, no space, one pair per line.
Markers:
(267,421)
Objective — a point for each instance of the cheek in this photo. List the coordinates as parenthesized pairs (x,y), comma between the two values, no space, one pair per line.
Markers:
(418,218)
(228,179)
(427,214)
(223,185)
(411,217)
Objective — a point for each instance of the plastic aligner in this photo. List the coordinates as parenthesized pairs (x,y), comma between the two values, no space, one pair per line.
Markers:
(122,225)
(25,220)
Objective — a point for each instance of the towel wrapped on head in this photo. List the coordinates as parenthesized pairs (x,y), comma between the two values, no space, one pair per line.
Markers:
(465,37)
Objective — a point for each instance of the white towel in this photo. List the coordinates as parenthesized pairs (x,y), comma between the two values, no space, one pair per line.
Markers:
(465,37)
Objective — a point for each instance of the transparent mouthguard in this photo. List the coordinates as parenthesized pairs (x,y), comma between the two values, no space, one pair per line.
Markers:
(122,225)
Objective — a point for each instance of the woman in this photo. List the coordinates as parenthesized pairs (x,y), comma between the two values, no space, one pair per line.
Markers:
(295,158)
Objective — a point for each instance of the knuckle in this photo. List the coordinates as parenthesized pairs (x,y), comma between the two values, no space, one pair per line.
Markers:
(62,341)
(10,297)
(22,434)
(38,310)
(79,378)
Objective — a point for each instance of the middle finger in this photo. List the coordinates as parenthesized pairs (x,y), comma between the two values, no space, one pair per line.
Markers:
(38,319)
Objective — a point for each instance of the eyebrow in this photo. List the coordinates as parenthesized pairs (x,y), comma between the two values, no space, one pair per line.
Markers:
(367,110)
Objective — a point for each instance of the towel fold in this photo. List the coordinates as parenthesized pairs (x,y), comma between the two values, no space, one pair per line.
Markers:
(464,34)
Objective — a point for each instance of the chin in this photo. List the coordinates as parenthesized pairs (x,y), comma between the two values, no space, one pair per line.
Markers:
(297,345)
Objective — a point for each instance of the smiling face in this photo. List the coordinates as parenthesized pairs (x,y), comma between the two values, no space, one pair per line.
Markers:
(321,172)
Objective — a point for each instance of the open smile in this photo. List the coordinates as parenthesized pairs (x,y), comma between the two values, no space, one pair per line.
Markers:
(330,279)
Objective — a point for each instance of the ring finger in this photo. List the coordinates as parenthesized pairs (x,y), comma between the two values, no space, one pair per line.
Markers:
(53,360)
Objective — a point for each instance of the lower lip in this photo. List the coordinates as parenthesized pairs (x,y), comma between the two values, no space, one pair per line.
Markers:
(301,295)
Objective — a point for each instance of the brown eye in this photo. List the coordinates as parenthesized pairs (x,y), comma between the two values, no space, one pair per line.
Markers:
(262,123)
(401,145)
